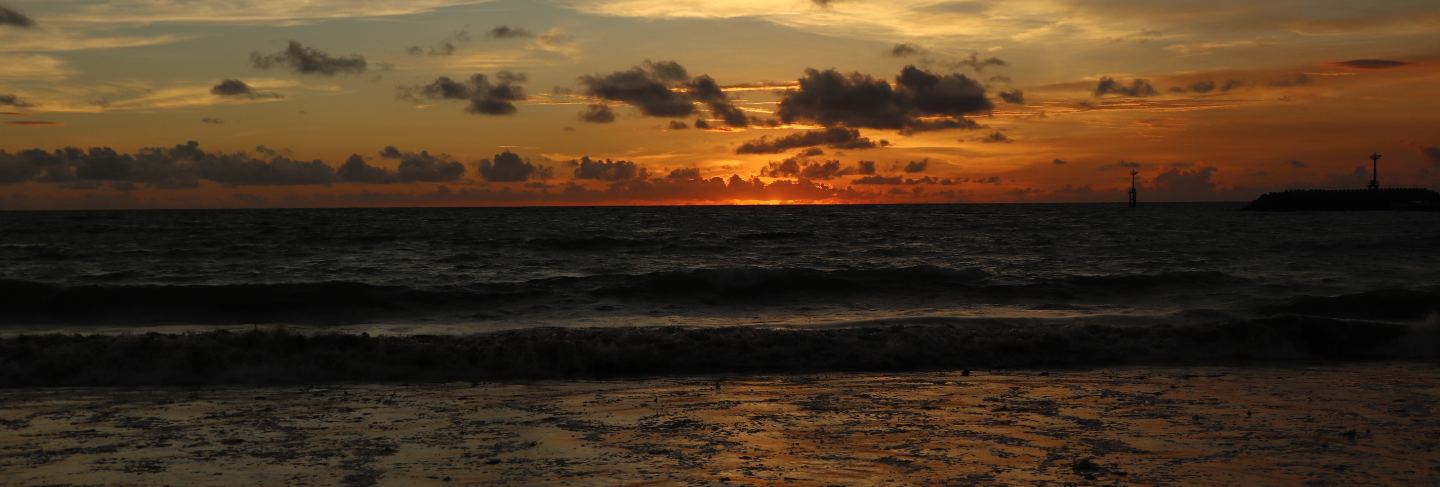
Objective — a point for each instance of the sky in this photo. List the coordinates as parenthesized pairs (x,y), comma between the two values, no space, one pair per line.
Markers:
(324,103)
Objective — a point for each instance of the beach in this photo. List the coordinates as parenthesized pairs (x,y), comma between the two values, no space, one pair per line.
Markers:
(1322,423)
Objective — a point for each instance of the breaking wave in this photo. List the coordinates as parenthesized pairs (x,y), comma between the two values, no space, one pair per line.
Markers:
(278,357)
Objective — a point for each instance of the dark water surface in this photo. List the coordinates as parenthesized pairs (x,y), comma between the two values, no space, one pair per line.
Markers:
(466,270)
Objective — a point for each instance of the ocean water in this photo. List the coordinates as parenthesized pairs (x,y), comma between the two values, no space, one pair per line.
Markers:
(456,271)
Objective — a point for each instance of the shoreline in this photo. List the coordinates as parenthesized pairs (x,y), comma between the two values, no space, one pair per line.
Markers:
(1341,424)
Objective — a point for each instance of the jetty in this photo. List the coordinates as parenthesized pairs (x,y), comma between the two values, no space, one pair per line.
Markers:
(1372,198)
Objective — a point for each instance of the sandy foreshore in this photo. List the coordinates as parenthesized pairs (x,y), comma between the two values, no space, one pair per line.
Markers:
(1333,424)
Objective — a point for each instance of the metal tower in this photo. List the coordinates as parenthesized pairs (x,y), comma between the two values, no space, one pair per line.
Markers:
(1375,170)
(1132,187)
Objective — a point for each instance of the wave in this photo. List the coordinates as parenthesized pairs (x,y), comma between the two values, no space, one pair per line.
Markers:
(1383,304)
(105,302)
(332,302)
(278,357)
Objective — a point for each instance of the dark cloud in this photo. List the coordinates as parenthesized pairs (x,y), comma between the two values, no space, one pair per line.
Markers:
(1231,84)
(422,166)
(822,3)
(12,101)
(34,123)
(1298,80)
(996,137)
(701,124)
(181,166)
(678,125)
(648,88)
(1298,164)
(705,90)
(1432,153)
(1205,86)
(811,152)
(445,47)
(685,174)
(905,49)
(884,180)
(865,167)
(919,100)
(598,113)
(1059,162)
(663,89)
(14,19)
(508,167)
(917,166)
(834,137)
(1187,183)
(608,170)
(212,121)
(356,170)
(1137,87)
(1014,97)
(979,65)
(234,88)
(1129,164)
(796,167)
(1373,63)
(485,97)
(507,32)
(308,60)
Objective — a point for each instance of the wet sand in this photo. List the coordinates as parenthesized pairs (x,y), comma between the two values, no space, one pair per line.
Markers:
(1342,424)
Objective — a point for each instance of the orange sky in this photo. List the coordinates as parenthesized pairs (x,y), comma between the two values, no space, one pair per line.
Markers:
(1023,101)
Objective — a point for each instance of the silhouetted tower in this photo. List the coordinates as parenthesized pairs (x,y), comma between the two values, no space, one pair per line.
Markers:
(1375,170)
(1132,187)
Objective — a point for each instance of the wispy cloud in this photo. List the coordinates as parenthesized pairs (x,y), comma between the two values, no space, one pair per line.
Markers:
(244,11)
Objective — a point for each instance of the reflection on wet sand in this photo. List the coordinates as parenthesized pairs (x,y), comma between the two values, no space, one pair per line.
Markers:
(1350,424)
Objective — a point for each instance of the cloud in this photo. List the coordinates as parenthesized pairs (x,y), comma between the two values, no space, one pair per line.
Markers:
(1138,87)
(33,67)
(996,137)
(834,137)
(1231,84)
(1298,164)
(422,166)
(12,18)
(701,124)
(268,12)
(508,167)
(796,167)
(663,89)
(917,166)
(35,123)
(10,100)
(507,32)
(647,88)
(1205,86)
(705,90)
(904,49)
(212,121)
(485,97)
(601,113)
(1059,162)
(235,88)
(979,65)
(1180,183)
(1432,153)
(678,125)
(685,174)
(1298,80)
(607,170)
(1014,97)
(181,166)
(918,100)
(1373,63)
(308,60)
(446,46)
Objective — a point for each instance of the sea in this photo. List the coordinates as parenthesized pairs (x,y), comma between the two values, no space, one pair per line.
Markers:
(455,271)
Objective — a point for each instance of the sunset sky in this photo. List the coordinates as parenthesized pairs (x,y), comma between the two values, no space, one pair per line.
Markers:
(475,102)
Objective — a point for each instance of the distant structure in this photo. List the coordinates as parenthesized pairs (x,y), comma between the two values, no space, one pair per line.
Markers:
(1375,170)
(1370,198)
(1132,187)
